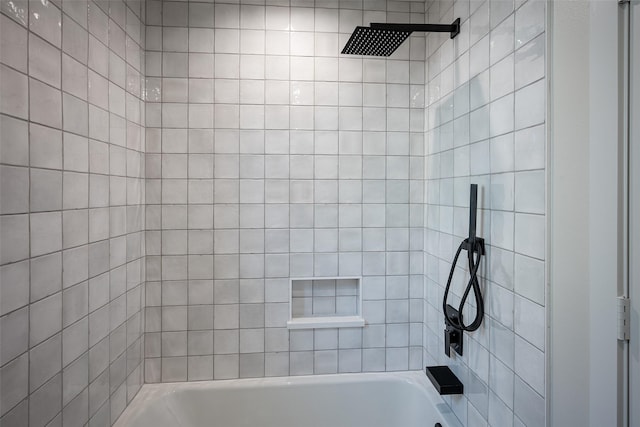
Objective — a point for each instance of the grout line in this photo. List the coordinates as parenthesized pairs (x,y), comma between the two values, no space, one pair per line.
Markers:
(88,176)
(161,152)
(28,385)
(188,181)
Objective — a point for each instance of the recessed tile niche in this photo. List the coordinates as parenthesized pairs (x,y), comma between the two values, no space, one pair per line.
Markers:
(327,302)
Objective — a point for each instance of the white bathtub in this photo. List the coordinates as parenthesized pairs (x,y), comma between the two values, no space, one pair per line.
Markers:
(400,399)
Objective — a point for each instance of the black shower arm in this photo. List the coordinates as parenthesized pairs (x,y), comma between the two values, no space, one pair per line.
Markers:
(454,28)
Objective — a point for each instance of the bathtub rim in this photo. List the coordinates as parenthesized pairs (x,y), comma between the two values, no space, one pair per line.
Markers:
(151,392)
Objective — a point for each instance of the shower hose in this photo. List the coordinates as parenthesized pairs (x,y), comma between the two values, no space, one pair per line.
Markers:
(472,246)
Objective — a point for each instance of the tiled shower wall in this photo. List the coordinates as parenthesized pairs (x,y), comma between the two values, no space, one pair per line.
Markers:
(270,156)
(71,224)
(485,124)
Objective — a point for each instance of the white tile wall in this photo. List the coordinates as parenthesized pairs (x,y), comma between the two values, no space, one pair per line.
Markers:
(71,210)
(269,155)
(484,124)
(266,155)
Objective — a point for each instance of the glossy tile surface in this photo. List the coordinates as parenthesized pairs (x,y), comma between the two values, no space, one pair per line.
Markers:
(166,166)
(500,111)
(273,156)
(72,263)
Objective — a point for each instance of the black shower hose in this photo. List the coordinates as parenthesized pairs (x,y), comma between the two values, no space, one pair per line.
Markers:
(472,247)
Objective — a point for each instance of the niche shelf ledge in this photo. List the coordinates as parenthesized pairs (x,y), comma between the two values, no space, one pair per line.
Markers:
(326,322)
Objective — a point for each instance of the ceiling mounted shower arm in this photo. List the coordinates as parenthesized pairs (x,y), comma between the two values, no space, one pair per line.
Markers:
(453,29)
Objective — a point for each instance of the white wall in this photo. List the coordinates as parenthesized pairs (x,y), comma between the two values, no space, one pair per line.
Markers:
(585,156)
(605,210)
(569,242)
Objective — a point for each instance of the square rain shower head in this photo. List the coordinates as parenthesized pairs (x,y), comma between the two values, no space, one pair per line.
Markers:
(382,39)
(374,42)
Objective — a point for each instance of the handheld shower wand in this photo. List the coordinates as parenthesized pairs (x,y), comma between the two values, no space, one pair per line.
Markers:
(452,316)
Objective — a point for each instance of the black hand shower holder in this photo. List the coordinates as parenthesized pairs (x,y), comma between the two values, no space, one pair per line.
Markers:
(453,317)
(442,378)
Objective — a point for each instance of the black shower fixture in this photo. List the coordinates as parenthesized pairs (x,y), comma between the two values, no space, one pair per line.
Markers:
(444,380)
(380,39)
(452,316)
